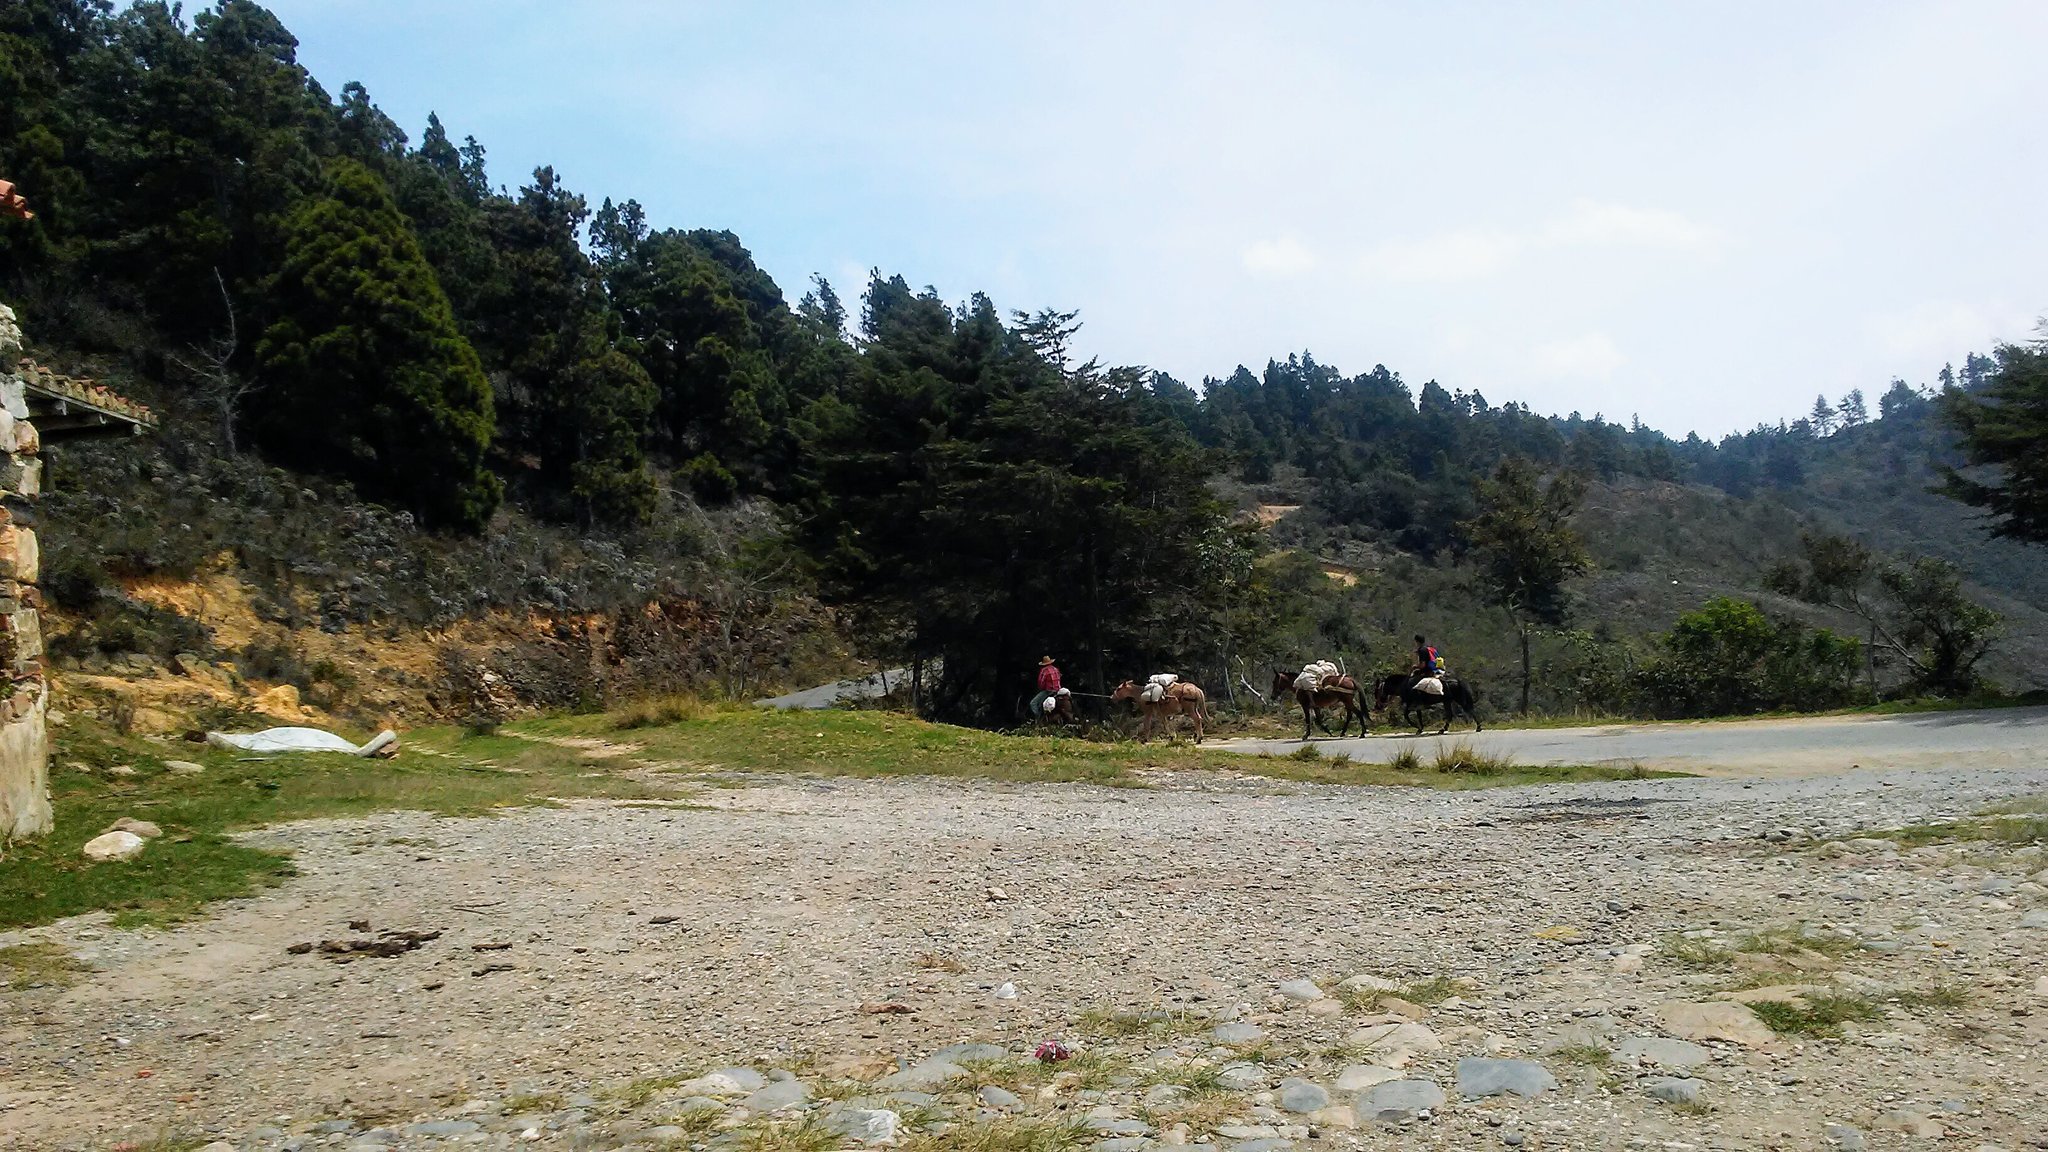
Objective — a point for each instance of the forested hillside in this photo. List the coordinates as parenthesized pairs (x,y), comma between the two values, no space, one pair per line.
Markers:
(402,394)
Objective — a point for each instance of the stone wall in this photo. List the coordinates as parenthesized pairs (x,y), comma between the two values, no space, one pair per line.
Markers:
(24,693)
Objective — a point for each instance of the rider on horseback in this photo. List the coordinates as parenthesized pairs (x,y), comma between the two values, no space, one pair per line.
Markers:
(1050,694)
(1427,663)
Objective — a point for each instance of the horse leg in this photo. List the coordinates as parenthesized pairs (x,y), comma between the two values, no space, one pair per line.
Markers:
(1198,722)
(1306,714)
(1447,716)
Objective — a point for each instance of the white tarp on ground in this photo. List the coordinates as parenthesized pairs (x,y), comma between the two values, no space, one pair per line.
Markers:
(277,740)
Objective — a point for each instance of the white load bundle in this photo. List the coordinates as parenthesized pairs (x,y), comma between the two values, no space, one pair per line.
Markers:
(1313,674)
(1430,686)
(1155,688)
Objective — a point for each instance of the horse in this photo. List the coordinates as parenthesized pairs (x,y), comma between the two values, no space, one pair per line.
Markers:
(1343,693)
(1062,710)
(1181,697)
(1416,703)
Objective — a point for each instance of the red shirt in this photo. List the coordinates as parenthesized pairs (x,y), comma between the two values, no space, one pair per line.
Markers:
(1049,679)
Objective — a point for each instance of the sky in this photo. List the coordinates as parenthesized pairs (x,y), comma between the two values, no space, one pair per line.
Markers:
(1702,214)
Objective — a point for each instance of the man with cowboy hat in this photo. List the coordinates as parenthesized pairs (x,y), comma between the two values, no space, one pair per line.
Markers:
(1050,695)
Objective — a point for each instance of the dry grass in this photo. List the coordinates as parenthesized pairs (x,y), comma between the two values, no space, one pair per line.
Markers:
(1702,955)
(940,962)
(1157,1023)
(1003,1136)
(1202,1112)
(39,965)
(1587,1055)
(809,1134)
(662,712)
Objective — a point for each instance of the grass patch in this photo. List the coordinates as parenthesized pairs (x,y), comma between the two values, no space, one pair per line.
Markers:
(523,1102)
(1792,942)
(1434,990)
(1820,1014)
(1462,757)
(1196,1078)
(1996,829)
(1090,1070)
(1585,1055)
(634,1093)
(1704,955)
(1003,1136)
(662,712)
(1158,1022)
(39,964)
(810,1134)
(197,861)
(1205,1111)
(1940,996)
(697,1124)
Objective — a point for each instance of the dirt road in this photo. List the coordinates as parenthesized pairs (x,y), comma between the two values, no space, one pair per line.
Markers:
(1335,967)
(1997,738)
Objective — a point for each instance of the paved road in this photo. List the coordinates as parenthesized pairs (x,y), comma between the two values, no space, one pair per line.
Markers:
(1999,738)
(832,695)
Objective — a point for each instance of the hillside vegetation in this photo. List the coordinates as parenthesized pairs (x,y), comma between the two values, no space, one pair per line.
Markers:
(439,446)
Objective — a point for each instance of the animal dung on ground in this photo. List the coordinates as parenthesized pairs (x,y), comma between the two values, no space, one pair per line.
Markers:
(889,1008)
(391,942)
(495,946)
(487,969)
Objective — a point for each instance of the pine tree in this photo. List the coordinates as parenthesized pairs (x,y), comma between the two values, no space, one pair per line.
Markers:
(2003,425)
(1822,417)
(1852,410)
(366,375)
(1527,547)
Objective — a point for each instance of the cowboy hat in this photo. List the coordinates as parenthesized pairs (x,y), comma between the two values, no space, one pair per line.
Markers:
(1044,660)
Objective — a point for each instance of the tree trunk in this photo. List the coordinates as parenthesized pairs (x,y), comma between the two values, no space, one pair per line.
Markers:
(1525,669)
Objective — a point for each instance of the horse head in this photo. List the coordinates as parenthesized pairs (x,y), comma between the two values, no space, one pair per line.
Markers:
(1124,691)
(1283,684)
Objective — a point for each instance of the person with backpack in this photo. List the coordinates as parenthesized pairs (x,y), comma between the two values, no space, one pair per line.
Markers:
(1427,662)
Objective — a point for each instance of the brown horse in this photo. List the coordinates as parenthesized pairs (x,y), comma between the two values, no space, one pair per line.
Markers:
(1181,698)
(1341,691)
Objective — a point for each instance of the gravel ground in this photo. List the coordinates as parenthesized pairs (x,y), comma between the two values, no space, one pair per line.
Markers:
(595,961)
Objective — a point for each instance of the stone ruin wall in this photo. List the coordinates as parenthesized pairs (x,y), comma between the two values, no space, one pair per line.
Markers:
(24,691)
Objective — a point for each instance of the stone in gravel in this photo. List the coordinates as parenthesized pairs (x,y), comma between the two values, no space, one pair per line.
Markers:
(723,1082)
(867,1125)
(777,1096)
(2041,986)
(1483,1076)
(971,1053)
(1909,1122)
(1674,1090)
(1264,1144)
(142,828)
(218,1146)
(1394,1044)
(1166,1096)
(1719,1020)
(1003,1099)
(183,768)
(1237,1032)
(924,1076)
(1301,991)
(1124,1144)
(1661,1052)
(1121,1126)
(1398,1101)
(443,1128)
(1242,1077)
(114,847)
(1336,1116)
(1359,1077)
(1326,1007)
(2035,919)
(333,1127)
(1513,1139)
(1302,1096)
(1363,983)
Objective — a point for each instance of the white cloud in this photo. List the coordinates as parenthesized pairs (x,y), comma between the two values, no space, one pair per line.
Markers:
(1592,224)
(1285,256)
(1454,256)
(1592,356)
(1946,329)
(1476,254)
